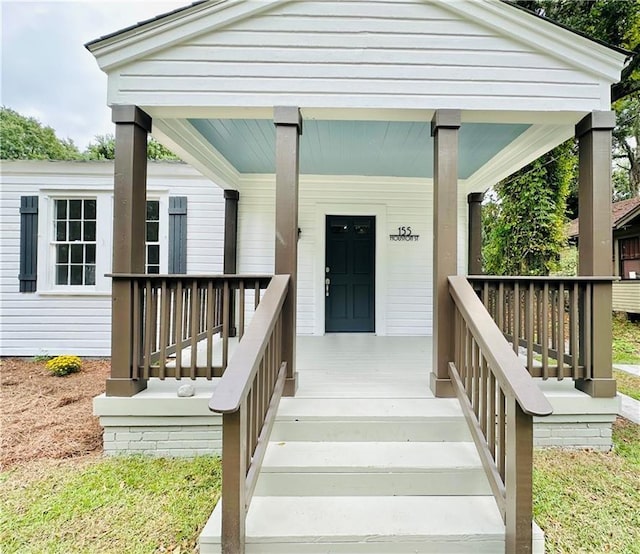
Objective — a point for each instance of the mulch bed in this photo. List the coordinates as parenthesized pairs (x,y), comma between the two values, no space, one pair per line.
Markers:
(47,417)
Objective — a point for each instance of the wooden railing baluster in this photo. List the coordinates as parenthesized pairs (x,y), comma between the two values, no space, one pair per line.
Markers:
(501,400)
(249,410)
(551,318)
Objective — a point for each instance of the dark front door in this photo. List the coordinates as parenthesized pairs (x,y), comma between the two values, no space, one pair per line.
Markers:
(350,274)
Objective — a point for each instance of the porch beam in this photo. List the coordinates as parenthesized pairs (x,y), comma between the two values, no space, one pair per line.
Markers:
(474,243)
(288,122)
(445,126)
(595,244)
(230,258)
(129,215)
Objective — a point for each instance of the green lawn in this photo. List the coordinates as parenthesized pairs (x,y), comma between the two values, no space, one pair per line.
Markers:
(589,502)
(108,505)
(626,341)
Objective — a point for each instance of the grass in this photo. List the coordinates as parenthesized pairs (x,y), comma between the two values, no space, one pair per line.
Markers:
(109,505)
(626,341)
(627,384)
(589,502)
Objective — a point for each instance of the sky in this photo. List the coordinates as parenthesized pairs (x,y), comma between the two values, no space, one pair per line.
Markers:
(47,73)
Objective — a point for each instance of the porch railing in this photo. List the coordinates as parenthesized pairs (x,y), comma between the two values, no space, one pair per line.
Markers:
(551,318)
(181,324)
(499,399)
(248,396)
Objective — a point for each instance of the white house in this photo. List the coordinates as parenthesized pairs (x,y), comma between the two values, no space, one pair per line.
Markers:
(354,132)
(58,310)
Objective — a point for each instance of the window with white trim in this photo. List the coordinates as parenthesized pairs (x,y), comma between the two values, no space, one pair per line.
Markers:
(152,244)
(74,242)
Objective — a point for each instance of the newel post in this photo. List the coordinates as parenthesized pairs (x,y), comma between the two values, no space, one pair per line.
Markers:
(444,130)
(288,124)
(595,244)
(474,244)
(129,215)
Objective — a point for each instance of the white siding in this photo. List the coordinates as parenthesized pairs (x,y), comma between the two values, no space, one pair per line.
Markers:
(357,54)
(33,323)
(626,296)
(404,269)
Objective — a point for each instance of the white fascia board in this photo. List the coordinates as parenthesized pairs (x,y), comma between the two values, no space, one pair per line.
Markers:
(567,46)
(535,141)
(138,42)
(185,141)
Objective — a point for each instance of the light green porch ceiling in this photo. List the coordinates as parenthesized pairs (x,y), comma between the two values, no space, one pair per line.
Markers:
(380,148)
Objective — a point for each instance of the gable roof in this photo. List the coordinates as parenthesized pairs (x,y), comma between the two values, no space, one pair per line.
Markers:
(540,33)
(160,17)
(621,213)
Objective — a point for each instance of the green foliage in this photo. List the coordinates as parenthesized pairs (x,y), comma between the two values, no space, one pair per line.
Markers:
(568,263)
(130,504)
(44,357)
(626,148)
(25,138)
(524,228)
(104,148)
(61,366)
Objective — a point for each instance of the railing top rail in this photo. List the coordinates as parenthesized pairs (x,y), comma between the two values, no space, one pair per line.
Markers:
(239,375)
(544,278)
(508,369)
(183,276)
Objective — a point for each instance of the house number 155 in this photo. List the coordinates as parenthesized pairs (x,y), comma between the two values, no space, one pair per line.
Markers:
(404,231)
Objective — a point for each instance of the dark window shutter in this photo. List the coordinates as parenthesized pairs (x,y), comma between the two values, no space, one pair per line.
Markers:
(28,243)
(177,234)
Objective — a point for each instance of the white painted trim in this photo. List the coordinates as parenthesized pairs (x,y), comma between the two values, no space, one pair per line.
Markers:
(157,35)
(185,141)
(379,211)
(535,141)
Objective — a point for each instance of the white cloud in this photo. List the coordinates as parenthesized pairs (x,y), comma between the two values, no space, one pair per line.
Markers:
(46,71)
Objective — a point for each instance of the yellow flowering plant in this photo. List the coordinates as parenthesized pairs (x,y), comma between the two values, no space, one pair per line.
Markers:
(64,365)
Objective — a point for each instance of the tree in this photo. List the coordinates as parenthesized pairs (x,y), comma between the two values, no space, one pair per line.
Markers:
(626,148)
(25,138)
(104,148)
(528,216)
(524,228)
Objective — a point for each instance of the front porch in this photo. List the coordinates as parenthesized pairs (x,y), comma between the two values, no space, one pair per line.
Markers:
(157,422)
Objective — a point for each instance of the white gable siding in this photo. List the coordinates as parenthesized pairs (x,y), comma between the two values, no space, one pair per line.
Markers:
(404,269)
(357,54)
(55,322)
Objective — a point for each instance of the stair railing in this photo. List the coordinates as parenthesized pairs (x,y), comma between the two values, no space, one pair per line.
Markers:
(499,399)
(247,397)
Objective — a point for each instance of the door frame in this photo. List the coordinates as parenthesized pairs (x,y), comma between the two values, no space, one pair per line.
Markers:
(379,211)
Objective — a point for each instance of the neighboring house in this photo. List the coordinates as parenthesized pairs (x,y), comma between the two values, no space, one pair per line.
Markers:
(625,225)
(354,133)
(56,243)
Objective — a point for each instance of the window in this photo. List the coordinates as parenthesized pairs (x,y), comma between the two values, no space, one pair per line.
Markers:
(152,262)
(75,241)
(630,258)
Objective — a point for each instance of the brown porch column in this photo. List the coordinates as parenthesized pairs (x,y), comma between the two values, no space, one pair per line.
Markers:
(474,246)
(444,130)
(288,130)
(129,215)
(595,247)
(229,263)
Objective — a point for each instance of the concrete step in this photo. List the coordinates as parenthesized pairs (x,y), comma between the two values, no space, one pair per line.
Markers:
(370,419)
(371,469)
(381,525)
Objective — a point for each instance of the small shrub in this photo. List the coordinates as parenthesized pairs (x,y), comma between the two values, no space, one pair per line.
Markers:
(44,357)
(64,365)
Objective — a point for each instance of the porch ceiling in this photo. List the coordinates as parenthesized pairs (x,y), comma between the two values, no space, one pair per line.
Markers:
(370,148)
